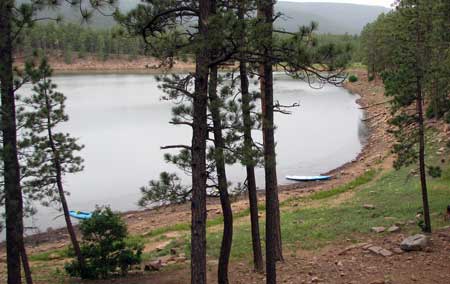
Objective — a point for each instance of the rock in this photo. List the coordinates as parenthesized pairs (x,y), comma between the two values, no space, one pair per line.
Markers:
(130,216)
(414,243)
(380,251)
(360,245)
(367,246)
(369,206)
(315,279)
(394,229)
(398,251)
(378,229)
(153,266)
(385,253)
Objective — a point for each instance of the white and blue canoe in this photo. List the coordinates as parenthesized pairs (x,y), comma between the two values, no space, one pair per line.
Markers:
(308,178)
(80,215)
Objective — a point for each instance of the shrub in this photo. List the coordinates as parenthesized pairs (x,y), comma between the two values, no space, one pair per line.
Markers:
(352,79)
(104,247)
(371,77)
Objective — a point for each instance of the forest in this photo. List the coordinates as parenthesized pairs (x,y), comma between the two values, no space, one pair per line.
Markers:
(382,217)
(72,41)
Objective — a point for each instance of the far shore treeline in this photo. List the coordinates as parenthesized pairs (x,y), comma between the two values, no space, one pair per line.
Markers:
(74,41)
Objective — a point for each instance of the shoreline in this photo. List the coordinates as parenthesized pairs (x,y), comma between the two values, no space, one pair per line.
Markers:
(142,221)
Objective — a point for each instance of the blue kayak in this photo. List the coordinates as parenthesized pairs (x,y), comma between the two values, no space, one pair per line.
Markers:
(308,178)
(80,215)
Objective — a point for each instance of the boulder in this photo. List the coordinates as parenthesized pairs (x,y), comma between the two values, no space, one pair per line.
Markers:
(414,243)
(369,206)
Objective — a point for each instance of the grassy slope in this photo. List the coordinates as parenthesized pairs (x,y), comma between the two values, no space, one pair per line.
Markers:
(322,218)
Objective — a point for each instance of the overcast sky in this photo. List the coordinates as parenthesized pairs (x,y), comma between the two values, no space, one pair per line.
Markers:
(386,3)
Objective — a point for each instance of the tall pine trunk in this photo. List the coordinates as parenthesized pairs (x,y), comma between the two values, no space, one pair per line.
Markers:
(248,145)
(200,133)
(273,234)
(59,184)
(265,13)
(227,238)
(13,194)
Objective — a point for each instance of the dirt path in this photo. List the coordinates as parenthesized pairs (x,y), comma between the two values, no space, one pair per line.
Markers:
(338,264)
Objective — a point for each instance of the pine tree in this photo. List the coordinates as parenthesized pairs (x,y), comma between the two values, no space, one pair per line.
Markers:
(54,153)
(273,236)
(405,82)
(249,152)
(13,20)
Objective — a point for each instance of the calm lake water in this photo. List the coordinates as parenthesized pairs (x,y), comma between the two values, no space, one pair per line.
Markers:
(122,122)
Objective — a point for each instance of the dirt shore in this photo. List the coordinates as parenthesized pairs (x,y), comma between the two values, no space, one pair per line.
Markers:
(116,64)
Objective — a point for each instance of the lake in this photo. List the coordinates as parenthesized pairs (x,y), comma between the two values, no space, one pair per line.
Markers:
(122,122)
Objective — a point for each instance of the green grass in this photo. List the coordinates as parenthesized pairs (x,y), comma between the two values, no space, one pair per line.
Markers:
(187,225)
(172,228)
(359,181)
(179,245)
(395,195)
(50,255)
(396,199)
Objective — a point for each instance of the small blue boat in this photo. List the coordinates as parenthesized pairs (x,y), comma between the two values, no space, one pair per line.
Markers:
(80,215)
(308,178)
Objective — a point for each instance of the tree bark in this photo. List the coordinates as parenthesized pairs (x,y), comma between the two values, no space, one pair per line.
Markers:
(25,263)
(248,145)
(263,13)
(225,248)
(273,236)
(13,194)
(59,184)
(200,133)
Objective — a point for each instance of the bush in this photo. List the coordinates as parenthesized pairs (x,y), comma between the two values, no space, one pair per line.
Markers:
(352,79)
(104,247)
(371,78)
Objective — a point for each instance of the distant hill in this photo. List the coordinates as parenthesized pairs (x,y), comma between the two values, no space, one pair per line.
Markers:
(334,18)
